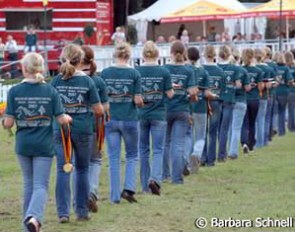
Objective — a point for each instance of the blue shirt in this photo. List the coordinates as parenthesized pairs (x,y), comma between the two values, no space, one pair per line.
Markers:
(33,106)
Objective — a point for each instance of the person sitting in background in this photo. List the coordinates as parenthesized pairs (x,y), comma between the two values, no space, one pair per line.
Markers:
(238,38)
(184,37)
(198,39)
(180,30)
(11,47)
(30,41)
(161,40)
(118,36)
(218,38)
(79,39)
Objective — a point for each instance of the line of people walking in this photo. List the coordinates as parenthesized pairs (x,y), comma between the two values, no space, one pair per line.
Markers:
(172,119)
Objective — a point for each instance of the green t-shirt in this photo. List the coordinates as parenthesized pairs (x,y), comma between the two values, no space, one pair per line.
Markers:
(123,83)
(292,70)
(155,82)
(255,75)
(267,73)
(201,78)
(241,95)
(102,93)
(183,78)
(274,69)
(33,106)
(77,94)
(284,76)
(232,74)
(216,79)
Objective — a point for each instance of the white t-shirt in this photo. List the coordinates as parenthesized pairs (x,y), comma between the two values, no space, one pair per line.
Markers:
(11,46)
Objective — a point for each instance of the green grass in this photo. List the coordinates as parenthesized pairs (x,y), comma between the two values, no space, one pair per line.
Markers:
(260,185)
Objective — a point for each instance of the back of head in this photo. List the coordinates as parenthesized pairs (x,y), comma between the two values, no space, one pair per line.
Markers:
(224,52)
(150,51)
(236,54)
(178,51)
(268,52)
(210,52)
(279,58)
(89,59)
(34,65)
(259,54)
(193,54)
(122,51)
(289,57)
(247,56)
(71,56)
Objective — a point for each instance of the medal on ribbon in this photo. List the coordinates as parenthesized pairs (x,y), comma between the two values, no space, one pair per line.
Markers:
(67,146)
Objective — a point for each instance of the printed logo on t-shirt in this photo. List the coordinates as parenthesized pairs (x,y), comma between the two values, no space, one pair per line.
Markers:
(151,89)
(228,80)
(31,111)
(214,84)
(73,99)
(280,78)
(119,90)
(178,81)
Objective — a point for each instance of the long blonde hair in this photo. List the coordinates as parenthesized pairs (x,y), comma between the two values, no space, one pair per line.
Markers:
(224,52)
(34,65)
(247,56)
(289,57)
(122,51)
(71,56)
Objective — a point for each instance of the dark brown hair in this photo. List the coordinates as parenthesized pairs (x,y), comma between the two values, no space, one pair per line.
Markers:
(178,51)
(89,59)
(193,54)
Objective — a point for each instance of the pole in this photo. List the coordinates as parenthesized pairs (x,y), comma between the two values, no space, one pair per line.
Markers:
(45,40)
(281,26)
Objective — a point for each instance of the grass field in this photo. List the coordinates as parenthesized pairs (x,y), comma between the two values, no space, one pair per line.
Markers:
(260,185)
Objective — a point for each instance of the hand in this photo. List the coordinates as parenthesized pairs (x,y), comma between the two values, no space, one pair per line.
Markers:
(68,119)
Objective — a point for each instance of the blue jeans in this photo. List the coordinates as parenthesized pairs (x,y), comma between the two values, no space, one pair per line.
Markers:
(275,115)
(226,118)
(248,129)
(213,130)
(200,124)
(82,147)
(36,173)
(282,105)
(151,131)
(236,126)
(95,169)
(188,145)
(260,123)
(291,110)
(177,124)
(268,120)
(115,131)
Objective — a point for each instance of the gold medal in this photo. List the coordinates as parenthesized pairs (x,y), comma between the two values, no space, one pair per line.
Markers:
(68,168)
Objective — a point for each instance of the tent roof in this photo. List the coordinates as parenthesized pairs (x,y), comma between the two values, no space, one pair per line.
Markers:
(272,8)
(200,10)
(164,7)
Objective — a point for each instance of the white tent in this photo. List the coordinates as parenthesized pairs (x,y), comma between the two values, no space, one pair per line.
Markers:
(163,7)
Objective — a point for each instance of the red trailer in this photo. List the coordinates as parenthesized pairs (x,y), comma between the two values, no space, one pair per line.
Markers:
(63,20)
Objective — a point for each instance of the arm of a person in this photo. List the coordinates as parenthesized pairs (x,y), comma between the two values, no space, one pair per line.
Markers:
(9,116)
(137,90)
(95,99)
(168,85)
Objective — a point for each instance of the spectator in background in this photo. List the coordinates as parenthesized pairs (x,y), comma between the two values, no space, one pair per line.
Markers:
(180,30)
(11,47)
(198,39)
(79,40)
(212,34)
(30,41)
(238,38)
(119,36)
(225,37)
(184,37)
(218,38)
(161,40)
(171,39)
(2,49)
